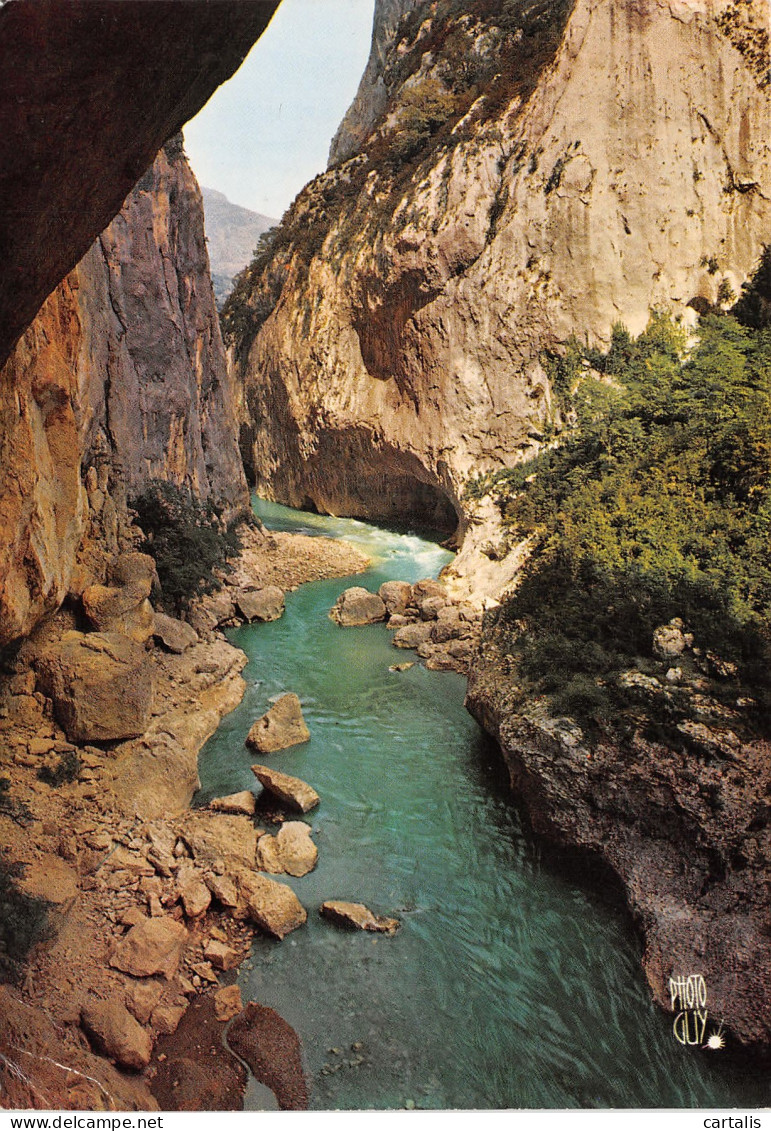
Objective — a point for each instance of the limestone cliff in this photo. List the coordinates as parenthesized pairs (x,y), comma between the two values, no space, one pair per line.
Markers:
(123,371)
(538,171)
(372,96)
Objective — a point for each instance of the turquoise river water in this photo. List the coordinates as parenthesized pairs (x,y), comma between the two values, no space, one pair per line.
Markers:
(508,985)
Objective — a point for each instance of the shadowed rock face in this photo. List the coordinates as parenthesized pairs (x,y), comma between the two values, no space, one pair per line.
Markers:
(89,91)
(122,373)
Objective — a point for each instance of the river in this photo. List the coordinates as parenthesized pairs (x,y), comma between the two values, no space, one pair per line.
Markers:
(507,985)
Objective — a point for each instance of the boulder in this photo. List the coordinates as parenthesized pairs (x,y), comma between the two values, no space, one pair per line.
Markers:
(116,1033)
(175,635)
(426,587)
(220,955)
(280,727)
(412,635)
(142,998)
(101,685)
(357,606)
(152,947)
(294,792)
(272,906)
(223,888)
(134,569)
(215,609)
(396,596)
(218,836)
(244,802)
(167,1016)
(125,610)
(446,629)
(430,607)
(358,916)
(193,891)
(227,1003)
(291,851)
(261,604)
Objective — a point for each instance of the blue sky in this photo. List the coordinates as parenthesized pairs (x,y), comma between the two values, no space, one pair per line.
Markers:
(266,133)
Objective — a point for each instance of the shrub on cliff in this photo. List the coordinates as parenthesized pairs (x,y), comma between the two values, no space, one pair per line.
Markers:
(188,540)
(657,504)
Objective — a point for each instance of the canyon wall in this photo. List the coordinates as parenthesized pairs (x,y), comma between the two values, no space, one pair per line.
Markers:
(90,90)
(538,171)
(120,379)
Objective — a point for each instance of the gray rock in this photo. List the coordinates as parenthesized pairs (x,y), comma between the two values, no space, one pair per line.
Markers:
(396,596)
(116,1033)
(412,635)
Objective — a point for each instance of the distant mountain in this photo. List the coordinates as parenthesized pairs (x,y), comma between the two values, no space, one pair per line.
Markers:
(232,232)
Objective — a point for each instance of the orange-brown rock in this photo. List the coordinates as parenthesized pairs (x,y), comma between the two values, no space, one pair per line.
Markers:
(290,851)
(116,1033)
(358,916)
(153,946)
(293,792)
(101,684)
(274,907)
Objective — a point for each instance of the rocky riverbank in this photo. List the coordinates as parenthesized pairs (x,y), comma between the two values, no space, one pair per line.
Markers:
(143,902)
(683,818)
(423,617)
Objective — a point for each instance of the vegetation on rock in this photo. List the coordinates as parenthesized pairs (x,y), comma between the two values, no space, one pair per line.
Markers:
(656,504)
(187,539)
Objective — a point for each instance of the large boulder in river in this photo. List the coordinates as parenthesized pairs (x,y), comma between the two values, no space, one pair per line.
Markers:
(153,946)
(101,684)
(412,635)
(116,1033)
(357,606)
(290,851)
(357,916)
(261,604)
(396,596)
(294,792)
(280,727)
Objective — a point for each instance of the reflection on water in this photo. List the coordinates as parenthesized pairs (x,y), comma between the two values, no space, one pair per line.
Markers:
(507,985)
